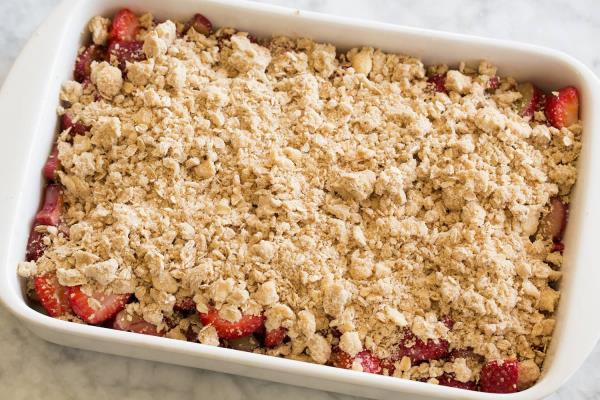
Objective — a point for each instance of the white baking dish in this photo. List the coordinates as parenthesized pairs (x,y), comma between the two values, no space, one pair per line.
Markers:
(27,110)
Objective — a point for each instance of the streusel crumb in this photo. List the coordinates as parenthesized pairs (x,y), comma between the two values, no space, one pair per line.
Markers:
(338,195)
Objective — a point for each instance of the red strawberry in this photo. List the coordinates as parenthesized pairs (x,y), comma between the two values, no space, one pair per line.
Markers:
(52,295)
(531,100)
(418,350)
(439,82)
(109,305)
(275,337)
(499,376)
(50,212)
(368,361)
(493,83)
(77,128)
(125,26)
(84,60)
(35,245)
(562,109)
(447,379)
(51,165)
(232,330)
(121,52)
(554,223)
(200,23)
(185,304)
(134,323)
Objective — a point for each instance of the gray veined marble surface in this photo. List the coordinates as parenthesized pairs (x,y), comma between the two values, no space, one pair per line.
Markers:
(33,369)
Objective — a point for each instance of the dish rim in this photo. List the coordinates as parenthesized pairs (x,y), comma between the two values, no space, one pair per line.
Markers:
(18,306)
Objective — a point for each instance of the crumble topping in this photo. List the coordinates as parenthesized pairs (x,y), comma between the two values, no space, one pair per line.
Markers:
(98,27)
(321,191)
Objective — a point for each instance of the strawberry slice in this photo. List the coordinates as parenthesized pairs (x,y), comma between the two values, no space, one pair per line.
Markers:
(77,128)
(447,379)
(562,109)
(554,223)
(275,337)
(35,245)
(51,165)
(200,23)
(119,53)
(418,350)
(531,99)
(368,361)
(84,60)
(52,295)
(50,212)
(184,304)
(125,26)
(499,376)
(134,323)
(439,82)
(232,330)
(102,307)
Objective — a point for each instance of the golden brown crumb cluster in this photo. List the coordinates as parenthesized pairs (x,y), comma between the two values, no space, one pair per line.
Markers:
(323,190)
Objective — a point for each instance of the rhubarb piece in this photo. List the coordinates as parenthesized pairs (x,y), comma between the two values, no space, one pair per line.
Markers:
(557,246)
(531,99)
(77,128)
(51,209)
(35,245)
(119,53)
(553,224)
(84,61)
(468,354)
(51,165)
(125,321)
(200,23)
(244,343)
(447,379)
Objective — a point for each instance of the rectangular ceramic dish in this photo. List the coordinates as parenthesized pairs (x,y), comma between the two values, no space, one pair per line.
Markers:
(28,104)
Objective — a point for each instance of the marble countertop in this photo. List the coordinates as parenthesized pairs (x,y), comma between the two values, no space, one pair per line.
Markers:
(33,369)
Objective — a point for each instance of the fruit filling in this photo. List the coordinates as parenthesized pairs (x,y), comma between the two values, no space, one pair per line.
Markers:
(356,208)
